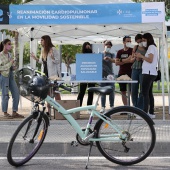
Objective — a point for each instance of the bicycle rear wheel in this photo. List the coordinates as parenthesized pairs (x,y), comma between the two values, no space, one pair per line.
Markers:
(27,139)
(138,128)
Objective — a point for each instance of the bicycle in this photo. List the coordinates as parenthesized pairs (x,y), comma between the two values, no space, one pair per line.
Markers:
(122,139)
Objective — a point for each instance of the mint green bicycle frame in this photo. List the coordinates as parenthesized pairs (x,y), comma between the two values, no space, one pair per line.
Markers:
(84,134)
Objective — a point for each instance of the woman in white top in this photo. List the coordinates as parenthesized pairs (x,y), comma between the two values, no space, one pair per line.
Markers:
(149,72)
(50,60)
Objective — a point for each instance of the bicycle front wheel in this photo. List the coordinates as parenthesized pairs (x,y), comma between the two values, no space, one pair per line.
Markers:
(138,129)
(27,139)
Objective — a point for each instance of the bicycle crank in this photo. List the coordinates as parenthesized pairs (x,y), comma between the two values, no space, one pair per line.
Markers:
(82,142)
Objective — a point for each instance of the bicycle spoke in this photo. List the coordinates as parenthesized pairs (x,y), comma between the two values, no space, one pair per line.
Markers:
(26,141)
(137,141)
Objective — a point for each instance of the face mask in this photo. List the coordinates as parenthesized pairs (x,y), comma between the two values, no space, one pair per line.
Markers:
(107,50)
(128,44)
(144,44)
(88,50)
(8,47)
(140,44)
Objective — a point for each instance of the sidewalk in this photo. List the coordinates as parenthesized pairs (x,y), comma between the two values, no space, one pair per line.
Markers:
(25,105)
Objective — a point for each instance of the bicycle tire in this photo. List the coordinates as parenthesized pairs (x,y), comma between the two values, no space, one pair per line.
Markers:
(27,146)
(129,153)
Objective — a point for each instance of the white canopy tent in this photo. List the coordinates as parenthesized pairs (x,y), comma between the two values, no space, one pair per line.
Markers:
(104,26)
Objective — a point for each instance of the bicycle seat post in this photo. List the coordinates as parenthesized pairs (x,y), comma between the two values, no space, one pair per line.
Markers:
(98,97)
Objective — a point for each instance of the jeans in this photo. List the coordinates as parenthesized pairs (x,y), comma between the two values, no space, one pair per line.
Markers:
(111,95)
(81,94)
(135,91)
(148,99)
(6,84)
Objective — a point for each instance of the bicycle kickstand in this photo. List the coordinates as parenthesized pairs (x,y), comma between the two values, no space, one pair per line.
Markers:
(91,144)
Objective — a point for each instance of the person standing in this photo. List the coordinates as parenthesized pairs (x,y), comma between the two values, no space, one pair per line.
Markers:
(149,72)
(107,70)
(7,81)
(50,61)
(86,48)
(125,63)
(137,73)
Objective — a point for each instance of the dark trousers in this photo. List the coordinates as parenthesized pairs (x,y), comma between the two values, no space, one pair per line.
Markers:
(147,94)
(82,91)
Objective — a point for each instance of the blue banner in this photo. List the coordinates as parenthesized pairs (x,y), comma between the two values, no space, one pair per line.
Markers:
(88,66)
(75,14)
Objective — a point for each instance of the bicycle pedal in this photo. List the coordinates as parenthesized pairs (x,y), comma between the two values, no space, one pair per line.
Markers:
(74,144)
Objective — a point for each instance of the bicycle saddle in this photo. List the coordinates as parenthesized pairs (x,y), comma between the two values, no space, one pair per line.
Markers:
(102,90)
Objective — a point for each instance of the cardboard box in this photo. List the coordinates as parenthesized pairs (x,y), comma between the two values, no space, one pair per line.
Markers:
(67,104)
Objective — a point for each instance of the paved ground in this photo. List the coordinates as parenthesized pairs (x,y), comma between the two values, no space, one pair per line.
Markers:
(25,105)
(60,134)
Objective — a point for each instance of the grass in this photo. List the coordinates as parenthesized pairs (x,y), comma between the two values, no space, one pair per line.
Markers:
(155,88)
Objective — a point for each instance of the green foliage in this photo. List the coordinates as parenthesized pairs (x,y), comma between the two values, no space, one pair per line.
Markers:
(26,54)
(69,53)
(7,2)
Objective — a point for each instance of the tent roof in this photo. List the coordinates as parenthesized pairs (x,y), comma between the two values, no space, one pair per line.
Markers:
(77,34)
(76,2)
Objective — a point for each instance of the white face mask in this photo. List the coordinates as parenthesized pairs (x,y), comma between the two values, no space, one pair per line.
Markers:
(140,44)
(107,50)
(144,44)
(128,44)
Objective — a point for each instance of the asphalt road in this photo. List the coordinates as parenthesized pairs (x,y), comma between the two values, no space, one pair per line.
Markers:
(78,163)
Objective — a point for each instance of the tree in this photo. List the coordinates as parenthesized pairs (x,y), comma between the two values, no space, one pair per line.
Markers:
(69,53)
(167,6)
(7,2)
(26,54)
(13,34)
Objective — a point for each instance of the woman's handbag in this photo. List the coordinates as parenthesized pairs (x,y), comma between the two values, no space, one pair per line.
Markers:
(158,77)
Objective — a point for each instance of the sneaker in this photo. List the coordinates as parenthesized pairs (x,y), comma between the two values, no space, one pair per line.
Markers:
(16,115)
(152,116)
(102,110)
(7,116)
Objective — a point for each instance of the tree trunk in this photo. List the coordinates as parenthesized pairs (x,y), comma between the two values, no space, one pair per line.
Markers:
(68,68)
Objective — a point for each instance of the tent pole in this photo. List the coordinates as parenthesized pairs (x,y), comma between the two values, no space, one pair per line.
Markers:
(161,56)
(32,61)
(60,54)
(163,68)
(21,50)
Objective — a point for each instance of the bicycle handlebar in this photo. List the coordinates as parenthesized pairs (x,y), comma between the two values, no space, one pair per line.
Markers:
(64,87)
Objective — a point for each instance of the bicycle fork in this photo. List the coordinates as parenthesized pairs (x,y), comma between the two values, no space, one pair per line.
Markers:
(38,116)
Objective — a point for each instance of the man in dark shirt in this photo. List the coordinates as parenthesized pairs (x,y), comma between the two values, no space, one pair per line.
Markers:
(122,59)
